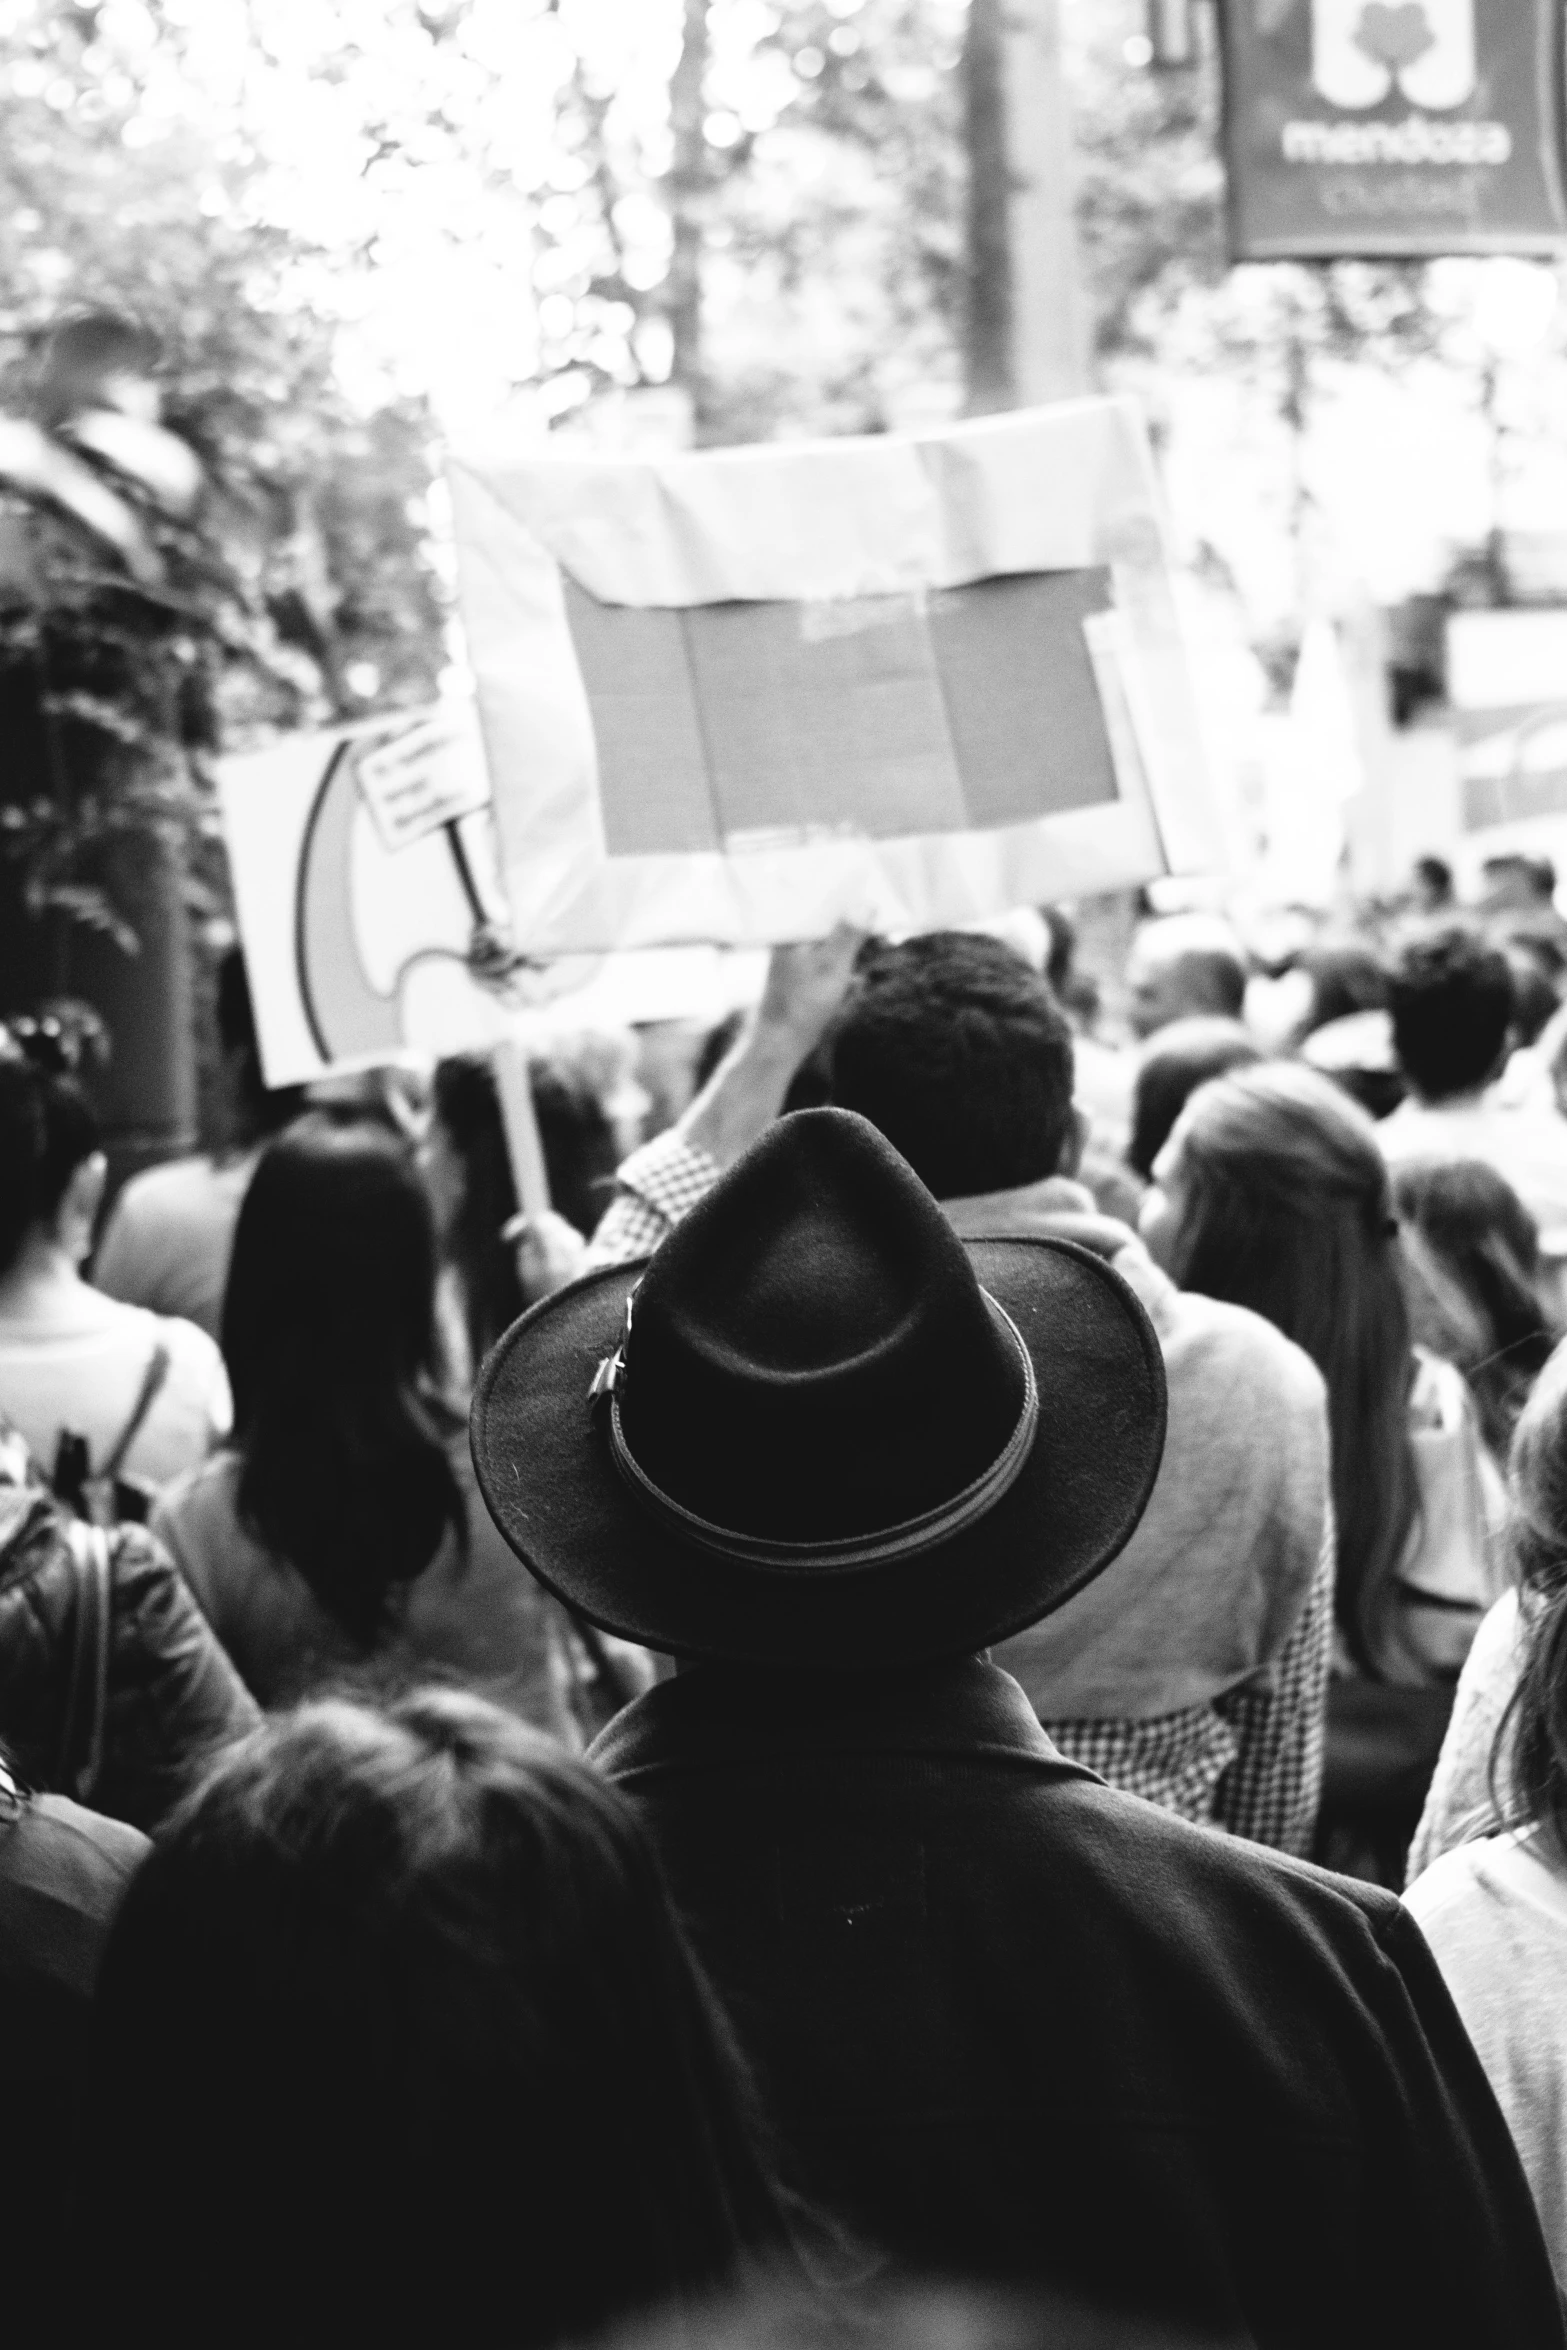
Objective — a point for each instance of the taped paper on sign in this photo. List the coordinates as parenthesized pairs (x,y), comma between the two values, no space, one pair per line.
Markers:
(905,681)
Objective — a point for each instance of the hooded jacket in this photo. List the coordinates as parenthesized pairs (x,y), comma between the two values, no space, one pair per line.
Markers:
(1216,1576)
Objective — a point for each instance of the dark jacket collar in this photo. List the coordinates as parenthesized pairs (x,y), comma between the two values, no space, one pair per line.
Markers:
(715,1715)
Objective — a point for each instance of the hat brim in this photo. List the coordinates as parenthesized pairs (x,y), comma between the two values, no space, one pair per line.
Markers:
(546,1473)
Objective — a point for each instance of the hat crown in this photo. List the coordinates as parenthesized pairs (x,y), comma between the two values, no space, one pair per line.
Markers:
(811,1356)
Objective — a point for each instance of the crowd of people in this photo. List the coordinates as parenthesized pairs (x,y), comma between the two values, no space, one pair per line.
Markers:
(954,1675)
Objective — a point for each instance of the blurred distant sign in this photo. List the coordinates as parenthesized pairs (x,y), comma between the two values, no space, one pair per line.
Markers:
(1507,680)
(1387,127)
(734,697)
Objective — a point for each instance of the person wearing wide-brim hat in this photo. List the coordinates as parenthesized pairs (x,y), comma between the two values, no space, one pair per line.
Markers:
(1015,2023)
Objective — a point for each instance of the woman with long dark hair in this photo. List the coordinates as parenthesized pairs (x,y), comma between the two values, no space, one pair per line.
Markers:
(402,2003)
(1272,1194)
(339,1528)
(1494,1908)
(1472,1255)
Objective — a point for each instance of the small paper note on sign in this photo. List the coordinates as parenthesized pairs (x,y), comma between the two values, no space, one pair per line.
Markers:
(425,774)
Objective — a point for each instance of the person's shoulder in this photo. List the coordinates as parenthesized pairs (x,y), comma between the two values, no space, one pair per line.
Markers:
(1543,1124)
(195,1378)
(187,1343)
(204,1492)
(1410,1129)
(1208,1336)
(196,1521)
(87,1843)
(63,1874)
(155,1184)
(1449,1887)
(1170,1869)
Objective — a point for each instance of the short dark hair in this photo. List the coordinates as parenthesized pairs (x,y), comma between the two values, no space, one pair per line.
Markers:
(1537,874)
(960,1054)
(1452,1005)
(428,1961)
(47,1129)
(261,1109)
(1176,1060)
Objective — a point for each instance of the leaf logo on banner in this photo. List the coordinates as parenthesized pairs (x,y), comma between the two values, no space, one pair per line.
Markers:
(1364,50)
(1395,36)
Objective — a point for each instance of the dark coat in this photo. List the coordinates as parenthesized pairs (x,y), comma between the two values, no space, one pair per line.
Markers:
(172,1697)
(1016,2024)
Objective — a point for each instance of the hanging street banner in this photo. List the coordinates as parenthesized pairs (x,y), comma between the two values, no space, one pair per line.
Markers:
(1394,127)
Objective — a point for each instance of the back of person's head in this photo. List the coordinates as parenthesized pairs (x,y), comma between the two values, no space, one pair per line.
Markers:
(1347,976)
(1471,1250)
(1175,1061)
(1278,1200)
(47,1134)
(257,1109)
(1452,1003)
(466,1108)
(1433,880)
(1182,965)
(961,1055)
(401,2001)
(329,1336)
(1516,880)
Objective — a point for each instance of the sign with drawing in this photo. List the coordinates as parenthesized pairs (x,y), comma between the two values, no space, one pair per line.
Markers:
(370,908)
(1387,127)
(911,680)
(367,883)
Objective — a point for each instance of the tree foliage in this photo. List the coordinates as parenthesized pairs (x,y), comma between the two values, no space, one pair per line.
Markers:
(758,202)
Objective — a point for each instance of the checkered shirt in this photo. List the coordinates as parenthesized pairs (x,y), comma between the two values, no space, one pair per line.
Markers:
(654,1188)
(1250,1763)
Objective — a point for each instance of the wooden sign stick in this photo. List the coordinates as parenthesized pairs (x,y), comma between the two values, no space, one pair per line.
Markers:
(522,1126)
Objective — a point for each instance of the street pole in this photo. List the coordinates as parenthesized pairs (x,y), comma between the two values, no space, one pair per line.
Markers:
(1027,337)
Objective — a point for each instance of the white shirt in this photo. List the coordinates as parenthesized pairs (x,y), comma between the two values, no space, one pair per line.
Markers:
(169,1235)
(1495,1915)
(1528,1146)
(87,1374)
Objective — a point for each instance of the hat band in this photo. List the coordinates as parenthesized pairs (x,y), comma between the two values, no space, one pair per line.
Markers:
(910,1538)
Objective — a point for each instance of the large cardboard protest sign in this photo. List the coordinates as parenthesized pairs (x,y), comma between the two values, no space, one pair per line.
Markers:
(1386,127)
(367,884)
(907,680)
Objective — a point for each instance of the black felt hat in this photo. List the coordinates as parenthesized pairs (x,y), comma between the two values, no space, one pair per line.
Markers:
(816,1429)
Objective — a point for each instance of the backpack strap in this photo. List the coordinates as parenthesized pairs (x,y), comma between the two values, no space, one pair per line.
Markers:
(151,1388)
(87,1683)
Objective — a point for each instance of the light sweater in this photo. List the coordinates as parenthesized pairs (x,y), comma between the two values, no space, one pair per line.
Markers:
(1495,1915)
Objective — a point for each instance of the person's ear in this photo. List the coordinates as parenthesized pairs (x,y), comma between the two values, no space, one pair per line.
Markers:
(1075,1144)
(77,1214)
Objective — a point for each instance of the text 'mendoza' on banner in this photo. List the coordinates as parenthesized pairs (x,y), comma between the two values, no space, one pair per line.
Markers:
(1388,127)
